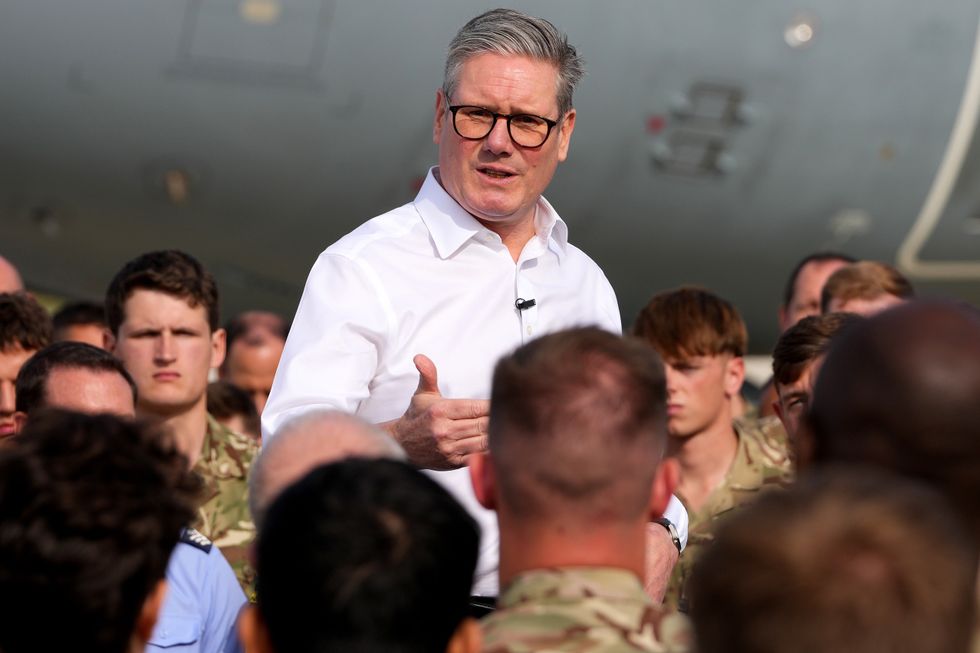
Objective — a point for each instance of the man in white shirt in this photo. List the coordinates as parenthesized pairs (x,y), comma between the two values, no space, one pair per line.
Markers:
(416,305)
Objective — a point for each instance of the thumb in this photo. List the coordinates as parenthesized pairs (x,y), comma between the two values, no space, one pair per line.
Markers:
(428,378)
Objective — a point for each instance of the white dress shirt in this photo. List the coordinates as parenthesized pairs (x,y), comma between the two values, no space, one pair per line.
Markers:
(428,278)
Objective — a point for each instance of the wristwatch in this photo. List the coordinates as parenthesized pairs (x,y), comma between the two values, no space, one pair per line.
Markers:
(675,538)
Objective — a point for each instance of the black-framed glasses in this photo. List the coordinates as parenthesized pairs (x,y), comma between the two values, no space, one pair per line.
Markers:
(525,129)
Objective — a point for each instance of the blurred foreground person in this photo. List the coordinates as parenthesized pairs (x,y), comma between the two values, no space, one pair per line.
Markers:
(856,562)
(575,472)
(162,309)
(90,510)
(900,391)
(25,327)
(81,322)
(255,343)
(203,596)
(308,441)
(723,463)
(865,288)
(10,280)
(364,556)
(796,360)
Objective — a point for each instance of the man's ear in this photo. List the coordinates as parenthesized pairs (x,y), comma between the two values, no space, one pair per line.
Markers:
(483,479)
(664,482)
(218,340)
(439,117)
(734,376)
(20,419)
(147,618)
(109,341)
(467,638)
(252,632)
(565,134)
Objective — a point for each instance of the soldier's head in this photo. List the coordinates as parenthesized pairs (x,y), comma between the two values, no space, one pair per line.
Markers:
(25,327)
(162,310)
(90,509)
(702,339)
(846,562)
(899,391)
(796,360)
(865,288)
(308,441)
(232,407)
(255,343)
(364,555)
(74,376)
(81,322)
(801,296)
(576,434)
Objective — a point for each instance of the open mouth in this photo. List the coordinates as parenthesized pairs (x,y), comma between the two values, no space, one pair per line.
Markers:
(496,174)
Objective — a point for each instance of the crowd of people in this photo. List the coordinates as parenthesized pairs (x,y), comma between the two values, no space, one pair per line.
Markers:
(454,448)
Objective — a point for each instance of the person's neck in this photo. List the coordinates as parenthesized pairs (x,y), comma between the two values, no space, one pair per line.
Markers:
(513,235)
(527,545)
(704,459)
(189,427)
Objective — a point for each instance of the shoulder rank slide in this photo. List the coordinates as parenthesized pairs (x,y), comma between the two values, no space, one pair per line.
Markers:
(196,540)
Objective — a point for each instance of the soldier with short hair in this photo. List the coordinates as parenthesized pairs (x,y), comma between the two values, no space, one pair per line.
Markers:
(575,472)
(162,309)
(25,327)
(865,288)
(723,463)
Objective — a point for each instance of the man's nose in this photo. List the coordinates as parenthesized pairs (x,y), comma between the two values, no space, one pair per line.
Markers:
(8,402)
(164,350)
(498,140)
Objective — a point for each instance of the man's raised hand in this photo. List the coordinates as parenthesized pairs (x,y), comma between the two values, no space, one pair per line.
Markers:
(439,433)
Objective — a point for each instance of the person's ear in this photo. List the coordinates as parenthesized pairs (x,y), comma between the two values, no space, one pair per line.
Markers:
(439,117)
(483,479)
(734,375)
(20,419)
(218,340)
(109,341)
(252,631)
(662,487)
(147,618)
(467,638)
(565,130)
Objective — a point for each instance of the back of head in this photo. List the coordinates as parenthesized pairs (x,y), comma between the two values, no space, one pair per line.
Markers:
(365,555)
(79,313)
(578,427)
(10,280)
(24,323)
(33,377)
(863,280)
(307,441)
(170,271)
(806,341)
(511,32)
(899,391)
(90,509)
(229,404)
(691,321)
(853,562)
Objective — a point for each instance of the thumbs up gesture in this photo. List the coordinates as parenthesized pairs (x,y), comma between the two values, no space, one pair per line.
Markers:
(439,433)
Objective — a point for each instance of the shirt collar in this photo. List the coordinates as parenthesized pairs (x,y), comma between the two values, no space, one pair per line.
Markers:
(573,583)
(451,226)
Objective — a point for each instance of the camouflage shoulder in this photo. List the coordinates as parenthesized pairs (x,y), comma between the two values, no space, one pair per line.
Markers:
(768,443)
(240,446)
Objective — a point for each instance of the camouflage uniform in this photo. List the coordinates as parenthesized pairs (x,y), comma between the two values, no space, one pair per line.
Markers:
(761,462)
(582,609)
(224,517)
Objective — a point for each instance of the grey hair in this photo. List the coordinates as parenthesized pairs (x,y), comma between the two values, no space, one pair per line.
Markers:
(510,32)
(317,438)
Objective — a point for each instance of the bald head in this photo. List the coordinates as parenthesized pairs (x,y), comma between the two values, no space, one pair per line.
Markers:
(309,441)
(900,391)
(10,280)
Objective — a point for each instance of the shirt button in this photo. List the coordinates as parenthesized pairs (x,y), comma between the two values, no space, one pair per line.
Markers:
(528,330)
